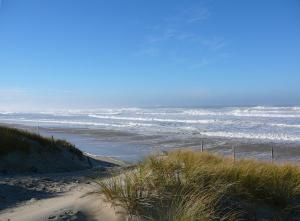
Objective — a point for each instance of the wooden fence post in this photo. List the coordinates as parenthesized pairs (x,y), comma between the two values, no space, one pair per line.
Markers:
(38,128)
(233,152)
(202,145)
(272,154)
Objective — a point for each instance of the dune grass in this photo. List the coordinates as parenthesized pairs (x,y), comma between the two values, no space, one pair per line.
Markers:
(12,140)
(189,185)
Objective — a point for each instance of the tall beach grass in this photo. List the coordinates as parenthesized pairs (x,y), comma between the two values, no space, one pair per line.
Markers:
(12,139)
(190,185)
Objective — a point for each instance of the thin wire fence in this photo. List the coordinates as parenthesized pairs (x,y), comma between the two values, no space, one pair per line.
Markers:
(267,152)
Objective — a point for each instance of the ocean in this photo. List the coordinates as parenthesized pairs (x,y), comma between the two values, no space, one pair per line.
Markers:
(259,124)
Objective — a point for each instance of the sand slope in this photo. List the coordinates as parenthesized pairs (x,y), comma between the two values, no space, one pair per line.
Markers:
(71,206)
(70,199)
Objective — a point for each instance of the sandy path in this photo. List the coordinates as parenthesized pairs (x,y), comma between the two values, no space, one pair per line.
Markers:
(57,196)
(73,205)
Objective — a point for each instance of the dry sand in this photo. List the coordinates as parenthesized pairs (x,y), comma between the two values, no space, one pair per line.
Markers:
(69,206)
(61,196)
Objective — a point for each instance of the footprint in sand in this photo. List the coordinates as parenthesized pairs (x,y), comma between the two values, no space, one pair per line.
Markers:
(51,217)
(68,216)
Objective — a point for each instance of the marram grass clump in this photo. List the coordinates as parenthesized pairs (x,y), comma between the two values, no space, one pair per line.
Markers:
(190,185)
(12,139)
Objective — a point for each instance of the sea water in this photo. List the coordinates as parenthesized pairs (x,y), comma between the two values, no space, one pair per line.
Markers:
(255,124)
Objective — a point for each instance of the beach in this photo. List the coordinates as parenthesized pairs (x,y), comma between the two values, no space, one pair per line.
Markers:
(71,195)
(130,134)
(149,110)
(54,196)
(132,147)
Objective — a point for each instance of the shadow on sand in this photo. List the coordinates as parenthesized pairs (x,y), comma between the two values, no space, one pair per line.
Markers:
(10,195)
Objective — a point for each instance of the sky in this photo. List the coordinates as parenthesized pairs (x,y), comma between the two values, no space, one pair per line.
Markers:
(102,53)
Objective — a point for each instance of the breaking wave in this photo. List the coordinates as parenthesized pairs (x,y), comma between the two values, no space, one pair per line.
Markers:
(260,122)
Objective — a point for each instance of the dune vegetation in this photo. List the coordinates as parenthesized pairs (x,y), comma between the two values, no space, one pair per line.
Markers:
(190,185)
(22,151)
(12,140)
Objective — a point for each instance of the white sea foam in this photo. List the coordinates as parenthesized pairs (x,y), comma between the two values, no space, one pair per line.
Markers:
(201,113)
(276,112)
(260,136)
(247,113)
(264,123)
(287,125)
(157,119)
(7,112)
(84,123)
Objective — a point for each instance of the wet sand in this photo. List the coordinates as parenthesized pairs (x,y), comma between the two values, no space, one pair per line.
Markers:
(64,196)
(132,147)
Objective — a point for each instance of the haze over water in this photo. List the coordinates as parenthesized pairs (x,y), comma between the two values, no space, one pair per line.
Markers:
(251,124)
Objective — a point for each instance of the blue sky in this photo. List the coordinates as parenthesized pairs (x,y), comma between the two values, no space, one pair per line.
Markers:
(96,53)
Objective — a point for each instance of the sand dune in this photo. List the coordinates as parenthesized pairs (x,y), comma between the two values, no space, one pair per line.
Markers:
(69,198)
(47,179)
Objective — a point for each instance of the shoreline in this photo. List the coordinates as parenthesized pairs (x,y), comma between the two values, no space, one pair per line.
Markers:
(259,124)
(68,195)
(132,147)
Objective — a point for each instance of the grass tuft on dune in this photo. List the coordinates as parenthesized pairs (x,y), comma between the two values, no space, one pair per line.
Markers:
(25,152)
(190,185)
(12,139)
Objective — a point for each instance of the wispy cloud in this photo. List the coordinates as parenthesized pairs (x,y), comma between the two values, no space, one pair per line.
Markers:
(214,43)
(169,33)
(179,38)
(175,26)
(199,64)
(193,14)
(149,51)
(196,15)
